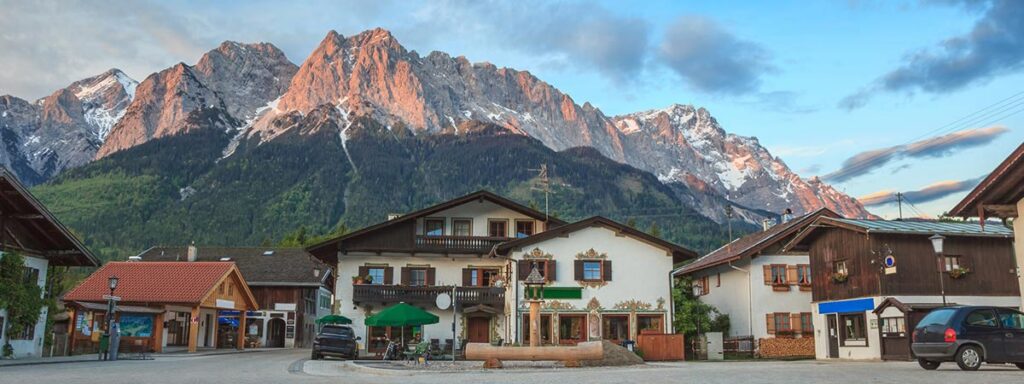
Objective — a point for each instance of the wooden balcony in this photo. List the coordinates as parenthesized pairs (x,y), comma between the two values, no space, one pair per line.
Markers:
(469,244)
(465,296)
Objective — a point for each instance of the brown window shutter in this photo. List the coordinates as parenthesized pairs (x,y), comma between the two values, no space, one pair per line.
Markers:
(577,267)
(770,319)
(523,269)
(607,274)
(431,274)
(794,323)
(389,275)
(707,284)
(550,271)
(467,277)
(405,276)
(791,274)
(363,271)
(767,274)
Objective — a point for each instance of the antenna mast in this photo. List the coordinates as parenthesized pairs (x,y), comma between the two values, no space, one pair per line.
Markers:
(544,185)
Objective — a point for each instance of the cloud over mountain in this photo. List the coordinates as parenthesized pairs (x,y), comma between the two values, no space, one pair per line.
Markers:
(712,59)
(929,193)
(938,146)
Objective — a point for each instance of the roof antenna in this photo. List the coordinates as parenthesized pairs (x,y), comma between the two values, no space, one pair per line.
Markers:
(544,184)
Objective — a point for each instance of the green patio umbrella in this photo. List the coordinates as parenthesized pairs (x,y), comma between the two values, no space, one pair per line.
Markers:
(334,319)
(401,315)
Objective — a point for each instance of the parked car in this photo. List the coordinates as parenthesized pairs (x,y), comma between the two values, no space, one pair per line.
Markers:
(336,340)
(969,335)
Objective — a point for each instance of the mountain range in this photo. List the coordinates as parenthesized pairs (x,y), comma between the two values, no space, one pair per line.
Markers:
(254,96)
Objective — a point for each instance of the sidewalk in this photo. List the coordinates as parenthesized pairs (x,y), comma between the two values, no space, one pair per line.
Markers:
(92,357)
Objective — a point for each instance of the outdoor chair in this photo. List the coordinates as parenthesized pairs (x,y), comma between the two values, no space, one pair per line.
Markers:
(435,347)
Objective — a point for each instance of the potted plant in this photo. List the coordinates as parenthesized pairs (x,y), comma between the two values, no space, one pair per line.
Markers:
(840,277)
(958,272)
(368,279)
(358,280)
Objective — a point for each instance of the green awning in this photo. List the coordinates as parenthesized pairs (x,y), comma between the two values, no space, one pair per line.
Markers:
(401,315)
(334,319)
(563,293)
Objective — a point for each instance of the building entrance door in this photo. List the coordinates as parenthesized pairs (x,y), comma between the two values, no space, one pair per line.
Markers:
(275,333)
(478,329)
(833,336)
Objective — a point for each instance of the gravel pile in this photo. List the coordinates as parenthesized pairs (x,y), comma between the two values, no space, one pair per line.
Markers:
(614,356)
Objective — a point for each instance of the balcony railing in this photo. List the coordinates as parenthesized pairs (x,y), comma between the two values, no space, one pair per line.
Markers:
(458,243)
(465,296)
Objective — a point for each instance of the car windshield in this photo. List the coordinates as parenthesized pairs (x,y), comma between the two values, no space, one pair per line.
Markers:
(937,317)
(341,331)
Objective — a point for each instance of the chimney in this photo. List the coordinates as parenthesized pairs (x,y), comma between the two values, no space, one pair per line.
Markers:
(193,253)
(135,258)
(765,224)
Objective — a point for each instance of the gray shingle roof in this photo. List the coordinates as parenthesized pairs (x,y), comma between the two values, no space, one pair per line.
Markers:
(930,227)
(283,266)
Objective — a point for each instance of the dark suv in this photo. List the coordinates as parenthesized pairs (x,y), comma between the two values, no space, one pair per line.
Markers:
(336,340)
(970,336)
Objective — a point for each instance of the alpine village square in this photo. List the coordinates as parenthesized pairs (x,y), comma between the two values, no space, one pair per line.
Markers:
(366,205)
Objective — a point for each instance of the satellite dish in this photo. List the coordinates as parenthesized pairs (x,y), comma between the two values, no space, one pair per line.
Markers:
(443,301)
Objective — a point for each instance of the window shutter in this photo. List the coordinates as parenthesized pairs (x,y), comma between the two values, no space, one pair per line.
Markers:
(770,322)
(607,270)
(363,271)
(550,271)
(467,277)
(791,274)
(405,276)
(794,322)
(577,267)
(431,274)
(389,275)
(767,274)
(523,269)
(706,282)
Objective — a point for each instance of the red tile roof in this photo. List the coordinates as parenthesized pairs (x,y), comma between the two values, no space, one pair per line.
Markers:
(153,282)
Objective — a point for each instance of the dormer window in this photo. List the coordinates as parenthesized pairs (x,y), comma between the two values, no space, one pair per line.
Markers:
(433,227)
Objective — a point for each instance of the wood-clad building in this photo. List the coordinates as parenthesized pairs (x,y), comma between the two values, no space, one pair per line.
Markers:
(291,287)
(200,303)
(1000,195)
(872,280)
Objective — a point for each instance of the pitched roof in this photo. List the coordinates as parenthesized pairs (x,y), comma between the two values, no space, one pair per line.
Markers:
(677,251)
(259,266)
(1004,186)
(35,230)
(917,227)
(753,243)
(156,282)
(321,248)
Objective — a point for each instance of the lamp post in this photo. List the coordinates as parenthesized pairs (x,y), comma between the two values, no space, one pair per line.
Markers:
(698,290)
(113,337)
(937,246)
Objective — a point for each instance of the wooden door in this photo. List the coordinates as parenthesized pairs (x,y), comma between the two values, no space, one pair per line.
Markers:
(478,329)
(833,336)
(275,333)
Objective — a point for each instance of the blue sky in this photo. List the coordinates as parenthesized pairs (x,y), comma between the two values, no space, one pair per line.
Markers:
(817,82)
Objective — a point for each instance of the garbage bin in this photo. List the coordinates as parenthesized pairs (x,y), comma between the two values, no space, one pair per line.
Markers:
(628,344)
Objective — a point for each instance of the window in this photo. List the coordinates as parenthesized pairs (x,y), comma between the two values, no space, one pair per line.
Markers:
(1011,319)
(433,227)
(937,317)
(839,267)
(376,275)
(479,277)
(952,262)
(30,276)
(592,270)
(524,228)
(616,327)
(545,329)
(982,318)
(893,325)
(806,323)
(718,279)
(704,286)
(26,333)
(572,329)
(650,323)
(778,274)
(325,300)
(803,274)
(526,266)
(462,227)
(497,228)
(418,277)
(853,330)
(782,325)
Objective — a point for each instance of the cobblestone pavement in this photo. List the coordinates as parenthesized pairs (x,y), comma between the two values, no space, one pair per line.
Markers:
(291,366)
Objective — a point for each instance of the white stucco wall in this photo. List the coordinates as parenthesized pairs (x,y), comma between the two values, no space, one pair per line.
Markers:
(34,347)
(732,296)
(640,271)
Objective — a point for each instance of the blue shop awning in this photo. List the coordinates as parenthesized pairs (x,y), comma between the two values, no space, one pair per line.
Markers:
(858,305)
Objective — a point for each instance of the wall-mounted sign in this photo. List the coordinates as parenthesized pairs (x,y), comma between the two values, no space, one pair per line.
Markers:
(221,303)
(890,265)
(284,306)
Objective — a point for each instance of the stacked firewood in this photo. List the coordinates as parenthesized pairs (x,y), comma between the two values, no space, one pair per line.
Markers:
(785,347)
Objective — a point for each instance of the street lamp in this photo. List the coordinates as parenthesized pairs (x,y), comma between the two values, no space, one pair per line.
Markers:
(937,246)
(698,290)
(112,337)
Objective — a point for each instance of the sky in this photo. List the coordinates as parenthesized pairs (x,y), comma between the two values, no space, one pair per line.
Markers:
(875,97)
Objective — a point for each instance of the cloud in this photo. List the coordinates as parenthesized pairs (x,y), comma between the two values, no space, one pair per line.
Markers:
(939,146)
(929,193)
(992,48)
(711,59)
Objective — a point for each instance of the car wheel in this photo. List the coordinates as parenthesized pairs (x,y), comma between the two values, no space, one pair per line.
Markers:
(928,364)
(969,358)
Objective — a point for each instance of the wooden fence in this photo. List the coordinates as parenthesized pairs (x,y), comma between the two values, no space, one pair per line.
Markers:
(661,347)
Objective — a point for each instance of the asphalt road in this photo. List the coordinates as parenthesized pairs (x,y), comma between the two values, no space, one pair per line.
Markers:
(292,366)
